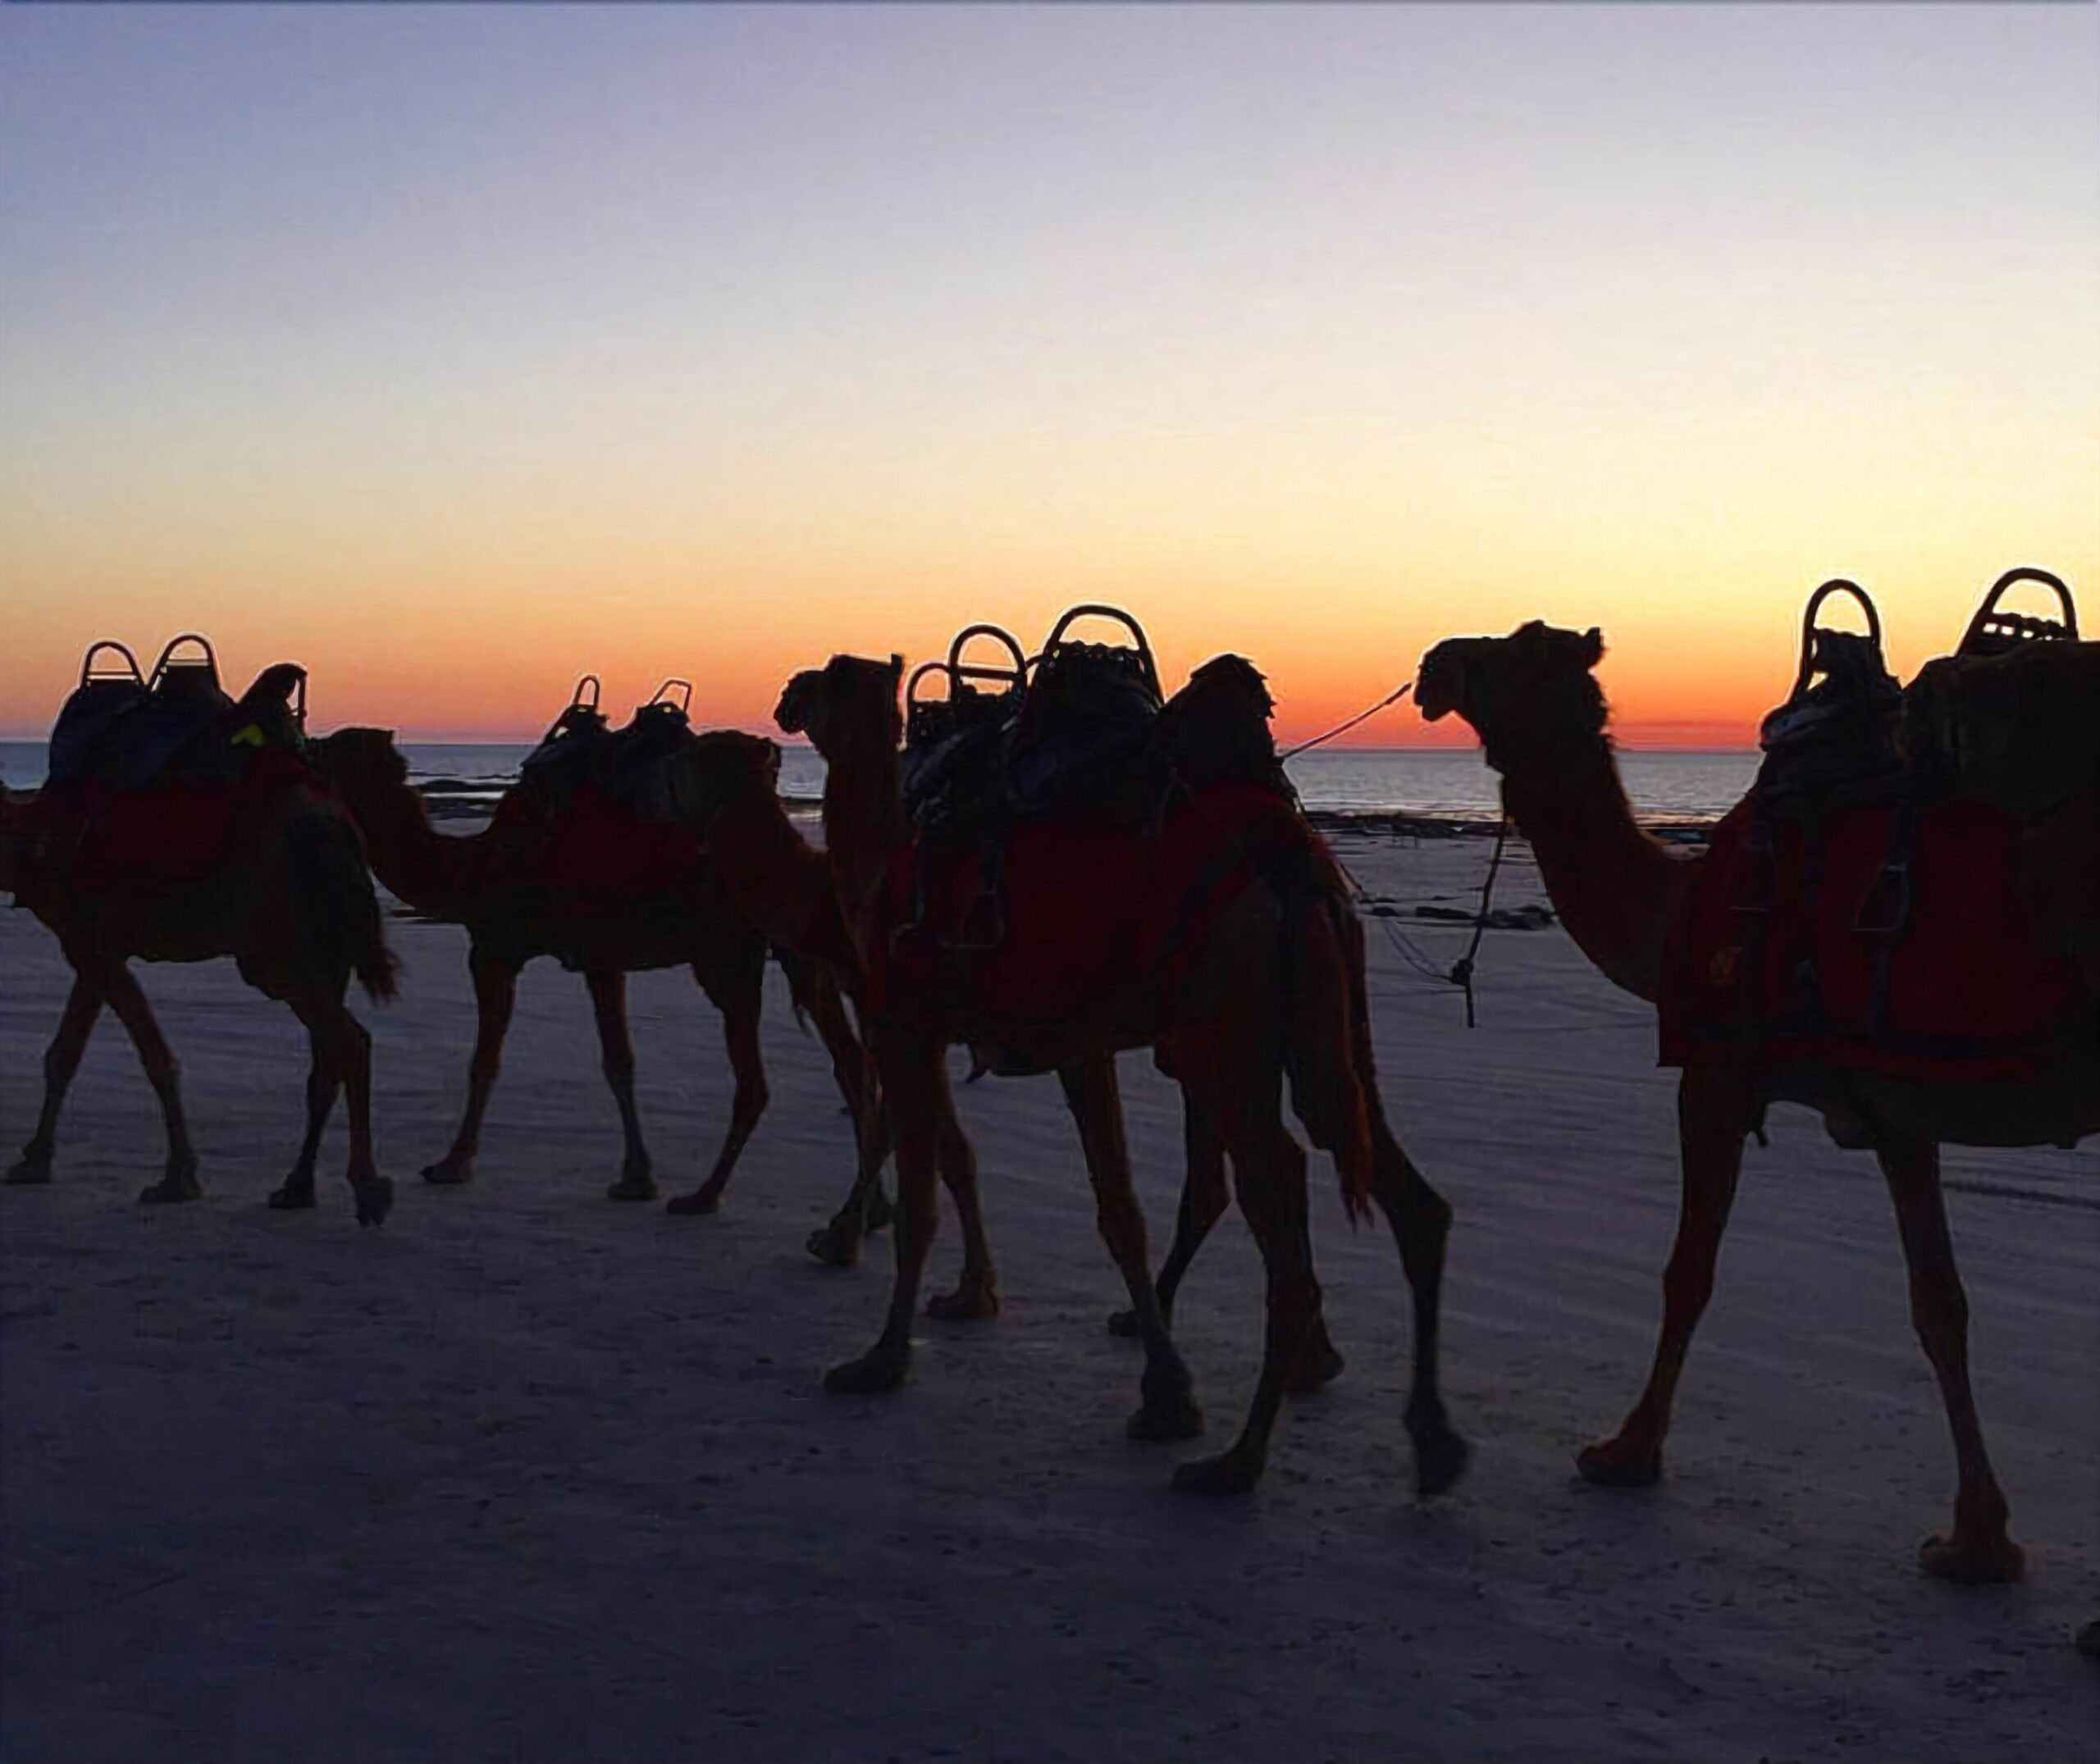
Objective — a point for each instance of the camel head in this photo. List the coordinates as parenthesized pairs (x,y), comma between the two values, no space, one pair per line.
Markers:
(363,765)
(1530,696)
(848,706)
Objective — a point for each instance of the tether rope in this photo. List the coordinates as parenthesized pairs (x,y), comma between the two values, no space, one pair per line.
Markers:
(1393,697)
(1460,974)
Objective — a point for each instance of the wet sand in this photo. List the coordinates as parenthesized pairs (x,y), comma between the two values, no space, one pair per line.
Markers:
(529,1475)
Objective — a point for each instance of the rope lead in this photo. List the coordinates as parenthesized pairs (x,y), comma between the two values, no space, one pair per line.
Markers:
(1393,697)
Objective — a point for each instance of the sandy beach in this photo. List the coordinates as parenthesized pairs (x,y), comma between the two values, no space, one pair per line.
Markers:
(528,1476)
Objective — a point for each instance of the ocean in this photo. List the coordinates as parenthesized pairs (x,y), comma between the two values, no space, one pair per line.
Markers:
(1441,783)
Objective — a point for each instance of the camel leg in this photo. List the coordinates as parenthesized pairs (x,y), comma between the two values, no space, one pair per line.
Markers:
(1168,1408)
(1712,1118)
(915,1080)
(1420,1221)
(324,1078)
(61,1060)
(837,1243)
(1977,1549)
(342,1058)
(1204,1198)
(739,1000)
(976,1294)
(1269,1170)
(121,992)
(495,997)
(609,1001)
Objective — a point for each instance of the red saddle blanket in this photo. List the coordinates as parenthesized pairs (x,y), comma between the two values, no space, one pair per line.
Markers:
(94,837)
(592,849)
(1941,970)
(1045,925)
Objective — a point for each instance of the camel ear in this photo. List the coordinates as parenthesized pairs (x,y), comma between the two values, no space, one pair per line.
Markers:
(1593,647)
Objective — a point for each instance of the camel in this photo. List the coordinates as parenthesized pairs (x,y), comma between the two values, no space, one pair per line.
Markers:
(1246,984)
(675,914)
(1214,731)
(282,888)
(1531,698)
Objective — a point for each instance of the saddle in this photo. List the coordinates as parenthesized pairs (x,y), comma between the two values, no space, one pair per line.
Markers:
(159,780)
(595,817)
(1869,903)
(1064,734)
(1078,739)
(2012,718)
(631,766)
(128,731)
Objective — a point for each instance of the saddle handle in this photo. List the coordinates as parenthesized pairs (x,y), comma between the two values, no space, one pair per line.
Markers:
(957,670)
(131,670)
(662,694)
(168,661)
(1836,585)
(1095,610)
(578,701)
(1990,630)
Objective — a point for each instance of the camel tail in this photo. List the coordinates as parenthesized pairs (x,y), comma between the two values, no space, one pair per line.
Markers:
(1327,1035)
(343,921)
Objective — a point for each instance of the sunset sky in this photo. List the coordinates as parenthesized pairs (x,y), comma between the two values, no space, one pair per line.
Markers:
(455,351)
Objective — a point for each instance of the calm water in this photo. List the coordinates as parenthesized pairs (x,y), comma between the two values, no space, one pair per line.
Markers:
(1415,781)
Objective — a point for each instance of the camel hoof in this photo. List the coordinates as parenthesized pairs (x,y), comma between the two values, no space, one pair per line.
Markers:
(179,1183)
(375,1199)
(1228,1473)
(874,1371)
(689,1205)
(1439,1461)
(972,1302)
(1987,1562)
(27,1172)
(1125,1324)
(834,1245)
(449,1173)
(294,1197)
(1612,1463)
(2089,1640)
(633,1189)
(1176,1417)
(1319,1363)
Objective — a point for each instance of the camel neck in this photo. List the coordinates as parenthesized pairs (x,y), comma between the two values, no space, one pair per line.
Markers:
(1614,887)
(781,883)
(418,864)
(863,822)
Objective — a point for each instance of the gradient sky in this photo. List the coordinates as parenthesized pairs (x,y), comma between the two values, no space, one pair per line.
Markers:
(454,352)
